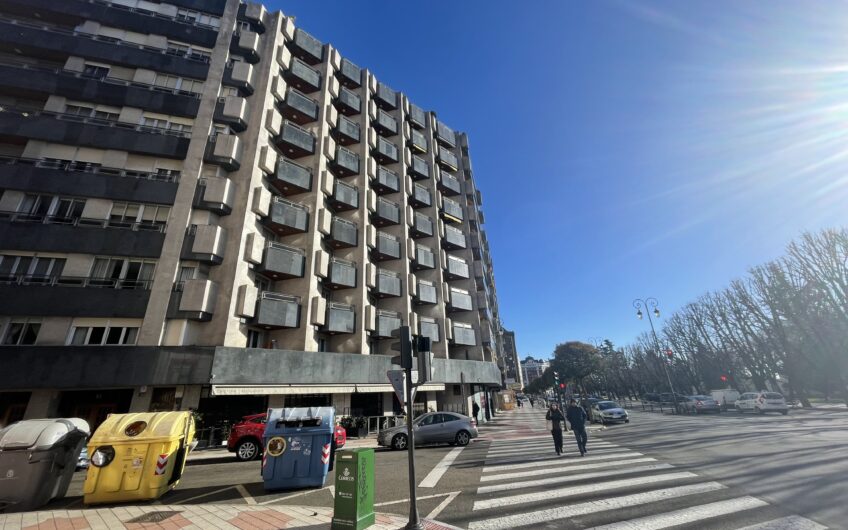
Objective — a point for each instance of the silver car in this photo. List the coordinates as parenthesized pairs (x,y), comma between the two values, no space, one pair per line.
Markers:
(609,412)
(700,404)
(431,428)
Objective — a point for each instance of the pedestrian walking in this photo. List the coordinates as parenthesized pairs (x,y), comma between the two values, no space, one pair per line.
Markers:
(519,404)
(531,403)
(475,410)
(576,416)
(555,422)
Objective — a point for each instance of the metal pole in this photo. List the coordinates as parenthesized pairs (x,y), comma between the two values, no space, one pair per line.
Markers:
(414,521)
(650,303)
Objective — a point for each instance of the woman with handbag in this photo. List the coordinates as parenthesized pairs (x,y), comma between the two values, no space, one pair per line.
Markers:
(555,422)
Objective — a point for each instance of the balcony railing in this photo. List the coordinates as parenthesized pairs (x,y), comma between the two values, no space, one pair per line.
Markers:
(350,75)
(345,196)
(286,217)
(464,336)
(427,293)
(296,141)
(421,197)
(277,311)
(445,135)
(456,269)
(449,184)
(348,102)
(386,97)
(291,178)
(32,113)
(385,124)
(417,117)
(388,284)
(452,210)
(386,152)
(388,247)
(387,322)
(282,261)
(429,329)
(422,226)
(454,238)
(299,108)
(75,281)
(347,131)
(388,213)
(419,169)
(302,76)
(418,142)
(342,274)
(447,159)
(424,258)
(343,233)
(387,181)
(341,318)
(312,50)
(86,167)
(346,162)
(24,217)
(460,301)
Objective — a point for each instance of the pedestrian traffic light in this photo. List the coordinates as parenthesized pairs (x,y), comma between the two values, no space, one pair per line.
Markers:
(404,346)
(723,378)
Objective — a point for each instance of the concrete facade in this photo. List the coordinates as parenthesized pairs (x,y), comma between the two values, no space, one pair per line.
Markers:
(246,202)
(533,369)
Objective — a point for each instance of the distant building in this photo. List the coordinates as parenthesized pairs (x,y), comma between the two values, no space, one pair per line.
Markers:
(513,374)
(533,369)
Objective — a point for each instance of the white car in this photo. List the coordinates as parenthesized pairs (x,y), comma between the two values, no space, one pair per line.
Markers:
(762,402)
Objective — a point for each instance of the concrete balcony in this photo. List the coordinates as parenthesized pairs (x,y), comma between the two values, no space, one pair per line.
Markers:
(387,285)
(224,150)
(276,311)
(420,197)
(291,178)
(349,74)
(348,103)
(302,76)
(386,98)
(214,194)
(386,181)
(459,301)
(255,13)
(426,294)
(280,262)
(384,124)
(448,184)
(424,258)
(456,269)
(427,328)
(345,163)
(239,75)
(452,211)
(445,135)
(341,274)
(341,318)
(385,151)
(347,132)
(299,108)
(447,159)
(232,111)
(422,226)
(417,117)
(306,47)
(295,141)
(419,169)
(386,214)
(454,239)
(197,299)
(343,233)
(388,247)
(387,322)
(417,141)
(246,44)
(286,217)
(204,243)
(344,197)
(463,336)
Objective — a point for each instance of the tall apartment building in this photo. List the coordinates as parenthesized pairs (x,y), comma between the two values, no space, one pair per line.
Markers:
(203,206)
(512,372)
(533,369)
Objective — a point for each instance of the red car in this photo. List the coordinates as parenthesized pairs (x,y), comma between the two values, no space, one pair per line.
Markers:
(246,437)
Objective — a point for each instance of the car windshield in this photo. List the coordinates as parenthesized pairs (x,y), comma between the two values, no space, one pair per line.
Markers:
(606,405)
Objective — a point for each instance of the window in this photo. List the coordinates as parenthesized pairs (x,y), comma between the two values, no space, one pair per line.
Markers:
(79,110)
(103,335)
(60,209)
(89,112)
(34,267)
(121,273)
(229,91)
(150,216)
(196,17)
(185,50)
(255,339)
(20,333)
(95,71)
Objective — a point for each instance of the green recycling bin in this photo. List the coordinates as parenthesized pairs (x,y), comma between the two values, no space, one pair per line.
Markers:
(354,506)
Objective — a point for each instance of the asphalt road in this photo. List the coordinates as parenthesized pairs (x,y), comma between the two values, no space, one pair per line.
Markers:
(704,472)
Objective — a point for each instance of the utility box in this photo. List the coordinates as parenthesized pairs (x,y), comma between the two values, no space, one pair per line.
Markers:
(37,461)
(354,504)
(137,457)
(298,443)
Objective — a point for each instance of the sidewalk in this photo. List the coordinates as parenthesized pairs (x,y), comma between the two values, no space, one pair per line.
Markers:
(193,517)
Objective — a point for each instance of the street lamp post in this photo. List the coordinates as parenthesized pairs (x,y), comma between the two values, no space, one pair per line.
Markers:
(650,304)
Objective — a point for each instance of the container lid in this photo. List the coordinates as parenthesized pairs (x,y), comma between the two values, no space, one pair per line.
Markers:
(141,427)
(299,419)
(40,434)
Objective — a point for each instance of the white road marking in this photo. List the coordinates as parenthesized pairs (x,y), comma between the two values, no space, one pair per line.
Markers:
(543,445)
(435,495)
(567,466)
(687,515)
(627,501)
(442,505)
(793,522)
(550,460)
(441,468)
(579,490)
(547,455)
(571,478)
(245,495)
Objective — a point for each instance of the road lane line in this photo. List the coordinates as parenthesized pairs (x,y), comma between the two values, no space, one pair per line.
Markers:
(543,461)
(687,515)
(435,495)
(565,467)
(543,447)
(441,468)
(442,505)
(525,498)
(571,478)
(540,454)
(541,517)
(793,522)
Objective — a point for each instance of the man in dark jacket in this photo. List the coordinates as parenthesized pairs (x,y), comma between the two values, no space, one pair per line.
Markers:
(576,416)
(475,410)
(557,420)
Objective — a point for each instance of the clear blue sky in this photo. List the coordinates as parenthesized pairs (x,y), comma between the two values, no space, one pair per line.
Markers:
(623,148)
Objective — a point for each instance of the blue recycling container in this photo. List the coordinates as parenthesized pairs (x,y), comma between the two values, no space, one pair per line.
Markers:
(298,443)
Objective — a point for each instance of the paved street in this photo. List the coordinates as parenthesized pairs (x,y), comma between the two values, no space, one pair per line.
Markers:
(711,472)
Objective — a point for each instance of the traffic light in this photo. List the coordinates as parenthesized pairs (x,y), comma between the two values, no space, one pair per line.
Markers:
(723,378)
(669,354)
(404,346)
(562,386)
(425,359)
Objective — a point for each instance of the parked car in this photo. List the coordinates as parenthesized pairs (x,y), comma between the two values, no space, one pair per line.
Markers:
(431,428)
(609,412)
(668,397)
(726,398)
(762,402)
(651,397)
(246,437)
(82,460)
(699,404)
(588,405)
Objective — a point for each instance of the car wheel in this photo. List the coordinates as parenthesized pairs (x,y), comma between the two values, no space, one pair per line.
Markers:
(626,421)
(247,450)
(399,442)
(462,438)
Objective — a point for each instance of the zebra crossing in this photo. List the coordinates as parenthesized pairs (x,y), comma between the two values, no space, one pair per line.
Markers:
(524,484)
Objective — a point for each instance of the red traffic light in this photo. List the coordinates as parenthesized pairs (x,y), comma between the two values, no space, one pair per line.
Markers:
(562,385)
(724,379)
(669,354)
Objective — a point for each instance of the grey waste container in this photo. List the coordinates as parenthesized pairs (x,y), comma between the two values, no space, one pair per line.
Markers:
(37,461)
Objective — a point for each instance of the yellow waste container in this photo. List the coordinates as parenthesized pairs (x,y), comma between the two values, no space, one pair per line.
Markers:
(137,457)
